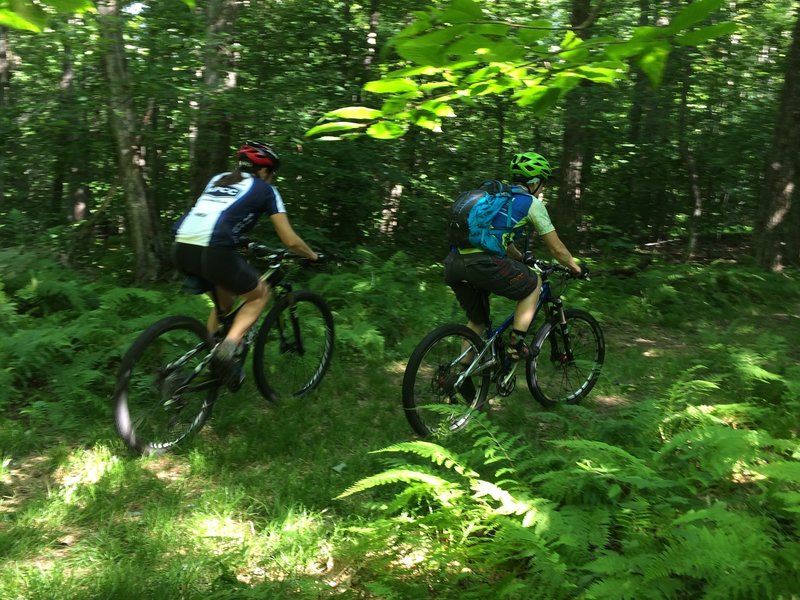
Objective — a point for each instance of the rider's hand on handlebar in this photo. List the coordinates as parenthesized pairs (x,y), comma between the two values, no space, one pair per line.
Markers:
(529,258)
(322,259)
(584,273)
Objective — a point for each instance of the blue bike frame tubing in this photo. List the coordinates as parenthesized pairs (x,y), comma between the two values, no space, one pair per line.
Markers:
(544,296)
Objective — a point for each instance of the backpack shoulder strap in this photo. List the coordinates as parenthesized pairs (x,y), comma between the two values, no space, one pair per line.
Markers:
(493,186)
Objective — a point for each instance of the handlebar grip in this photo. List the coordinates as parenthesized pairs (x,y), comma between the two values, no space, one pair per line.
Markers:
(259,250)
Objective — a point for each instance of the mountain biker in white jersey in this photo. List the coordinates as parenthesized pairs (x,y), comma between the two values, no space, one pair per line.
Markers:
(207,237)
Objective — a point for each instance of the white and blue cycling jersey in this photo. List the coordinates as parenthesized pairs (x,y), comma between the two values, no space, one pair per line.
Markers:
(223,214)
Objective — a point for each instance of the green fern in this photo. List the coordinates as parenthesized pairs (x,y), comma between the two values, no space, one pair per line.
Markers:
(711,451)
(31,353)
(409,476)
(132,302)
(434,452)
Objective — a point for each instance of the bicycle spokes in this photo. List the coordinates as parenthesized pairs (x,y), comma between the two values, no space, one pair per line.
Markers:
(568,366)
(164,391)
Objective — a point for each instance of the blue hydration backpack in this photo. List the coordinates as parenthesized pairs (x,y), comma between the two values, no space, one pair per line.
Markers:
(472,214)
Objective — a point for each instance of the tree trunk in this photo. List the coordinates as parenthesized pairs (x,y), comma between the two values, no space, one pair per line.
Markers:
(5,100)
(212,147)
(142,227)
(689,163)
(575,160)
(776,240)
(372,45)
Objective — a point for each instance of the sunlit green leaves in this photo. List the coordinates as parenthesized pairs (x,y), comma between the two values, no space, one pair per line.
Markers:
(534,31)
(461,11)
(608,72)
(69,6)
(335,127)
(704,34)
(23,14)
(386,130)
(11,19)
(391,86)
(354,112)
(539,98)
(459,53)
(694,13)
(653,60)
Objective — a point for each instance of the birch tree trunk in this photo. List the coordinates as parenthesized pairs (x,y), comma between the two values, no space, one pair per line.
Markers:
(142,224)
(689,162)
(5,82)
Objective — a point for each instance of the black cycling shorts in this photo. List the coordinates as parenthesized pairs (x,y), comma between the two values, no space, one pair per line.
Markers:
(474,276)
(209,266)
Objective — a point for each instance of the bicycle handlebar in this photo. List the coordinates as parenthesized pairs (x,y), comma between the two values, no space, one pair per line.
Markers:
(548,268)
(280,254)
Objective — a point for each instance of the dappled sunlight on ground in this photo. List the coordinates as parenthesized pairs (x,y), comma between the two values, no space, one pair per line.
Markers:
(610,401)
(25,479)
(397,367)
(167,468)
(83,468)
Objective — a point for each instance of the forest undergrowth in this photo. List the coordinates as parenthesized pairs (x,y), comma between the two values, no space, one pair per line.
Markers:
(677,478)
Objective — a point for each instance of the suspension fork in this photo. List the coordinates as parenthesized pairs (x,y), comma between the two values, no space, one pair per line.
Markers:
(559,319)
(287,292)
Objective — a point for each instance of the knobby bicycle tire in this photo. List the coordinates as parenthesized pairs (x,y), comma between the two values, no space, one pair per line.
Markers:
(431,372)
(294,346)
(554,377)
(151,412)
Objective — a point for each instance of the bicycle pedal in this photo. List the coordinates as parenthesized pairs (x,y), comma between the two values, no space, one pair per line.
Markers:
(235,378)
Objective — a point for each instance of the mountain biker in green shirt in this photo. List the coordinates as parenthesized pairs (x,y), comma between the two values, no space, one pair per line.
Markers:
(473,273)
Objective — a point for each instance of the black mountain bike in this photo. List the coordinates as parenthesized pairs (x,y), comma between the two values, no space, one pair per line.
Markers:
(451,371)
(166,389)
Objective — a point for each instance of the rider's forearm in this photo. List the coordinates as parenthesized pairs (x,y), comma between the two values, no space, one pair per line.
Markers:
(560,252)
(563,256)
(299,247)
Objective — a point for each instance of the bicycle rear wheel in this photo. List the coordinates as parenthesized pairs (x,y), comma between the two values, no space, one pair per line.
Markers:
(569,360)
(164,393)
(294,346)
(435,404)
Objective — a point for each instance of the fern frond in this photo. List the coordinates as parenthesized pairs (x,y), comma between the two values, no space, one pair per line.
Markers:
(397,476)
(716,449)
(508,504)
(36,351)
(784,471)
(131,302)
(433,452)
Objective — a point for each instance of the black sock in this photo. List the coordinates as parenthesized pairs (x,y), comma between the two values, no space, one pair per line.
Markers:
(518,335)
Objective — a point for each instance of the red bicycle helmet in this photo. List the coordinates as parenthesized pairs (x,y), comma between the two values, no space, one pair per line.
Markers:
(259,155)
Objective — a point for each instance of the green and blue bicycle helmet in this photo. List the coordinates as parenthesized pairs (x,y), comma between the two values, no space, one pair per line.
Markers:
(529,168)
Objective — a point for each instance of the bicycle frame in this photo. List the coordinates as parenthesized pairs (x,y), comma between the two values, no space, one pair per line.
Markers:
(545,296)
(275,277)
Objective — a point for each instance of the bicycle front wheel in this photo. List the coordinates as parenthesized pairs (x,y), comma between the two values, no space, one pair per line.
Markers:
(435,403)
(294,346)
(569,360)
(163,393)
